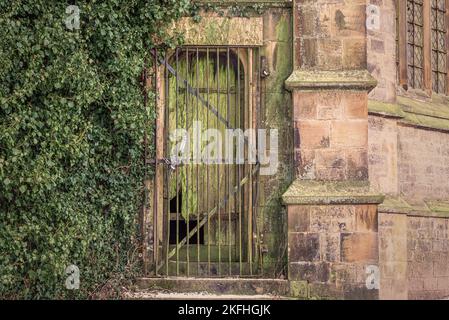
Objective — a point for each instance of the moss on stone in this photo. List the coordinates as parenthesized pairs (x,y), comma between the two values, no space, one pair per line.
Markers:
(299,289)
(343,80)
(395,205)
(431,114)
(385,109)
(216,30)
(426,121)
(331,192)
(439,206)
(437,107)
(272,214)
(429,208)
(268,3)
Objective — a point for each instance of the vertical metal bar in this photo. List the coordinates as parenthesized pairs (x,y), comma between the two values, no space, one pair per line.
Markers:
(187,166)
(259,125)
(250,191)
(218,165)
(256,126)
(177,182)
(155,190)
(166,186)
(207,167)
(145,173)
(198,145)
(238,111)
(228,165)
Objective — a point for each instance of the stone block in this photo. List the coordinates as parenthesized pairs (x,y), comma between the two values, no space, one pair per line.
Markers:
(349,133)
(309,271)
(313,134)
(359,247)
(303,247)
(332,219)
(298,218)
(366,219)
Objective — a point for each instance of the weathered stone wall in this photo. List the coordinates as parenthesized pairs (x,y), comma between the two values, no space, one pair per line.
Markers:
(332,231)
(381,50)
(330,34)
(382,154)
(413,164)
(330,247)
(393,256)
(275,113)
(333,135)
(428,257)
(423,164)
(409,163)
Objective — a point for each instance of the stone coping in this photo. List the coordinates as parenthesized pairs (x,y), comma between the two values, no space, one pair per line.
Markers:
(429,208)
(267,3)
(213,30)
(431,114)
(330,80)
(330,192)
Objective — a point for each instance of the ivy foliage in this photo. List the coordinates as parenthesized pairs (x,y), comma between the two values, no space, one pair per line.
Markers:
(72,122)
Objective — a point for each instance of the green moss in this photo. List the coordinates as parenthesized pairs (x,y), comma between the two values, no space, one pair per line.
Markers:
(437,107)
(426,121)
(343,80)
(395,205)
(267,3)
(431,114)
(276,114)
(299,289)
(385,109)
(429,208)
(439,206)
(330,192)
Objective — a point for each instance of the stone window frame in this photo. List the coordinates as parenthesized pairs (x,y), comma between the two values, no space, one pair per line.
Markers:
(403,43)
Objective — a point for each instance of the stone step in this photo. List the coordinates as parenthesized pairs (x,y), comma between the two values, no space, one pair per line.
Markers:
(216,286)
(206,270)
(158,295)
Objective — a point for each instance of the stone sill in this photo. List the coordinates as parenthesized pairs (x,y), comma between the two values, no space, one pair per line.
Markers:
(330,80)
(312,192)
(430,208)
(432,114)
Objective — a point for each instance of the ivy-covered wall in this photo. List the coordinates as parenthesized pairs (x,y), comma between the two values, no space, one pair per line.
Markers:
(72,123)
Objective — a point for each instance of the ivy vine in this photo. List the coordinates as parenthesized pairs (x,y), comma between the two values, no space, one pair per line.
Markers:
(72,122)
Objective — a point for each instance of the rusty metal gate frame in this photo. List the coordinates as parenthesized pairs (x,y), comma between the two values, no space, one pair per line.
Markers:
(252,90)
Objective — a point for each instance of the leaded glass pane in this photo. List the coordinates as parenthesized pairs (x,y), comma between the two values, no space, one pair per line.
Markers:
(438,39)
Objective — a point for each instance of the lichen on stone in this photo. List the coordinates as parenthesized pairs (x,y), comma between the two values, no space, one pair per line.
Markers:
(341,79)
(331,192)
